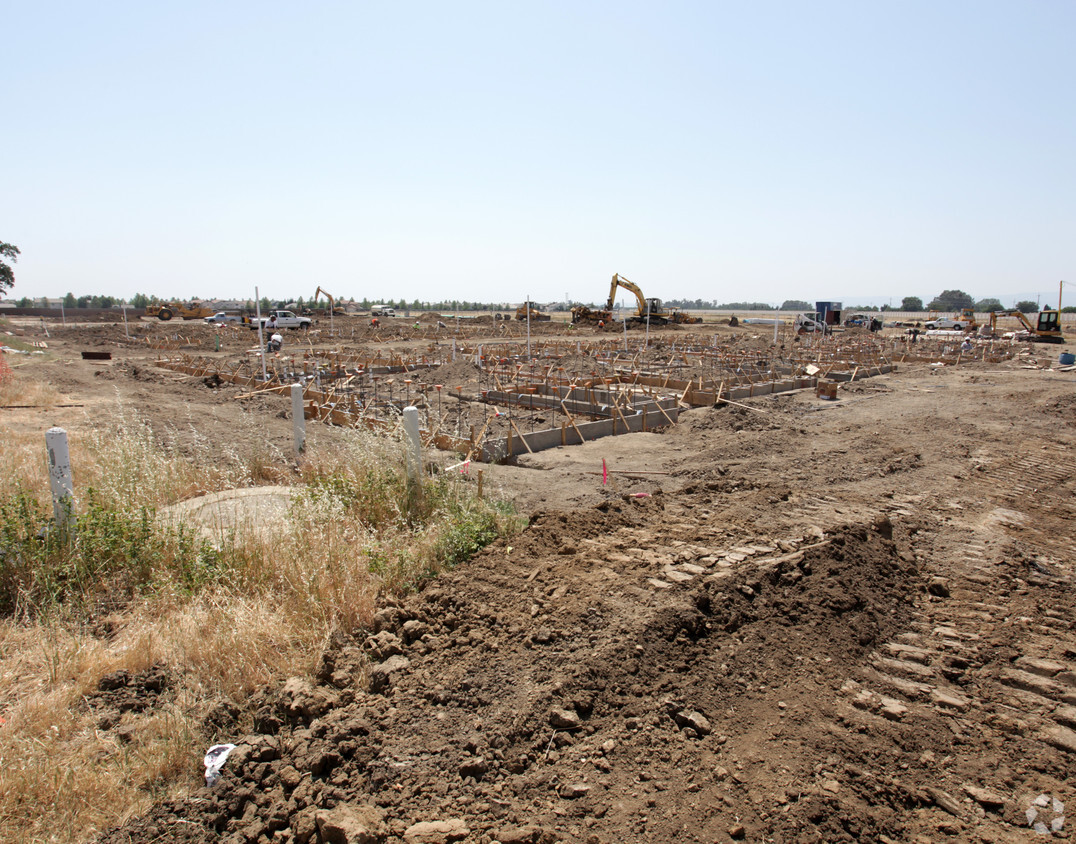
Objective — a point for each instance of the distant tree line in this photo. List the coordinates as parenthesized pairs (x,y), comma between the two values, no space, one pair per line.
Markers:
(947,300)
(955,300)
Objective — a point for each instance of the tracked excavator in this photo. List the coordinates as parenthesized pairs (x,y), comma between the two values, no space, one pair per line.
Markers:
(336,311)
(1046,330)
(648,309)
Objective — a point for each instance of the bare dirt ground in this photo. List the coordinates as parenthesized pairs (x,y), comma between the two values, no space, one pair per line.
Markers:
(823,621)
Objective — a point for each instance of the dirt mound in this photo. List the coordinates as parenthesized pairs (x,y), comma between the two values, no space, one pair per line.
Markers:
(1065,407)
(519,699)
(122,691)
(730,418)
(450,375)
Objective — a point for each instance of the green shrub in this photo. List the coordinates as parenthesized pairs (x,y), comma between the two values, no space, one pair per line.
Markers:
(109,555)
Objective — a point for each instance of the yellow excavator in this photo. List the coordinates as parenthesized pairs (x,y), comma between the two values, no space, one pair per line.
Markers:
(167,310)
(1047,329)
(332,302)
(648,309)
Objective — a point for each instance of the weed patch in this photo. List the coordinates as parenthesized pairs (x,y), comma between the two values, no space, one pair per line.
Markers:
(125,589)
(108,556)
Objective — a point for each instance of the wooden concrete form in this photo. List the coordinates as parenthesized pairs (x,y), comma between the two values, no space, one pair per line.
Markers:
(343,389)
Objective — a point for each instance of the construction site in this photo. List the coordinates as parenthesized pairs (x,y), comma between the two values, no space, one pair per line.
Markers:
(773,585)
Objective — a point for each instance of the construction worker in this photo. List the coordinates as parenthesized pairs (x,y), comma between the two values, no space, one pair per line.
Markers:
(274,344)
(966,346)
(271,326)
(373,322)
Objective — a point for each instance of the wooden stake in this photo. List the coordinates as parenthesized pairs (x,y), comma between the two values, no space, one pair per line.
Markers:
(571,419)
(746,407)
(525,443)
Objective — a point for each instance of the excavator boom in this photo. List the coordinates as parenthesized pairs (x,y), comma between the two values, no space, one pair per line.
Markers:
(648,309)
(332,302)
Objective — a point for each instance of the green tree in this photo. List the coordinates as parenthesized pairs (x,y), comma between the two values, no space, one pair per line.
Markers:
(69,300)
(139,300)
(7,275)
(951,300)
(25,302)
(986,305)
(265,304)
(1027,307)
(83,302)
(911,303)
(796,305)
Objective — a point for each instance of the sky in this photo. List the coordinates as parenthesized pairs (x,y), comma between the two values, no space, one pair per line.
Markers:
(491,151)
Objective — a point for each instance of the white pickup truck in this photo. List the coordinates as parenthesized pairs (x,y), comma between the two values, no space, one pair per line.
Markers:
(284,319)
(222,317)
(946,324)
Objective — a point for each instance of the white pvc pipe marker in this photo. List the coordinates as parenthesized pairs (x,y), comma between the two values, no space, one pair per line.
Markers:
(298,417)
(414,453)
(63,486)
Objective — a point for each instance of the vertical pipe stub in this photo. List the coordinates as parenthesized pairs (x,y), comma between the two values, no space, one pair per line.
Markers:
(298,418)
(60,478)
(414,451)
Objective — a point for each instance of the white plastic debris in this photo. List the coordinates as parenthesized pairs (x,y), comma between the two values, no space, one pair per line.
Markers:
(1036,819)
(215,758)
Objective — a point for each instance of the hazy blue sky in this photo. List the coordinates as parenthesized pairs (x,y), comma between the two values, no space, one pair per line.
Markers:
(719,150)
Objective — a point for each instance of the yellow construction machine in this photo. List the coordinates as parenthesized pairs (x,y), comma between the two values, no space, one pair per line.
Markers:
(167,310)
(535,314)
(582,315)
(1046,330)
(647,310)
(680,317)
(332,302)
(648,307)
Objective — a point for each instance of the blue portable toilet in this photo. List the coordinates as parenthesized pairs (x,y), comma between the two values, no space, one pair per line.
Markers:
(829,312)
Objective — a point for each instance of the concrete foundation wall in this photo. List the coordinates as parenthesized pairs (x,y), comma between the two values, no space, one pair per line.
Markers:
(503,448)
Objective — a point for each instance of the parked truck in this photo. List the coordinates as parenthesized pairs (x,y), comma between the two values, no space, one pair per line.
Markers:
(284,319)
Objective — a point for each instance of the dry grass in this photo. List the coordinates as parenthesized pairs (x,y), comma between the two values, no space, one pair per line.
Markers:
(22,455)
(17,388)
(356,528)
